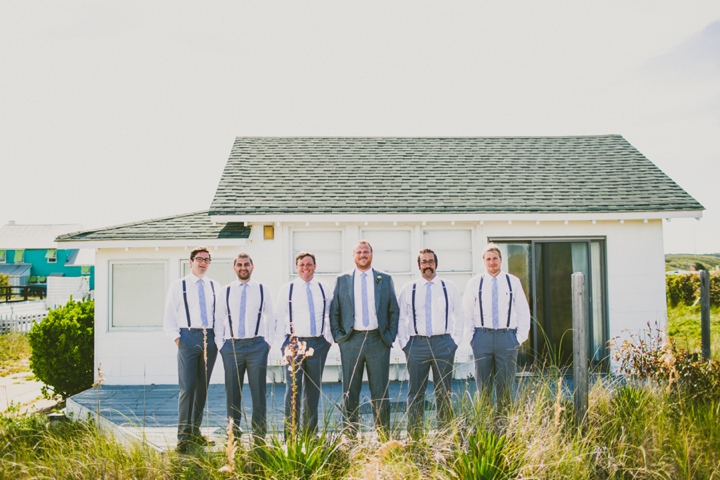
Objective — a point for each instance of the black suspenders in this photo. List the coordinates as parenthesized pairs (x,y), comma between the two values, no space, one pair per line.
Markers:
(482,320)
(447,307)
(260,310)
(227,303)
(507,277)
(187,308)
(290,295)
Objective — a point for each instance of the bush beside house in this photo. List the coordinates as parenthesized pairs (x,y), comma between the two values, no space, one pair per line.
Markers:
(62,349)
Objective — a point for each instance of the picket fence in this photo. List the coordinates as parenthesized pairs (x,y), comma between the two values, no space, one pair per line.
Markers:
(19,323)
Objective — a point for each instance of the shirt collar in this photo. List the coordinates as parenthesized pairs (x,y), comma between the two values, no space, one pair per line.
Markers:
(435,281)
(358,272)
(500,274)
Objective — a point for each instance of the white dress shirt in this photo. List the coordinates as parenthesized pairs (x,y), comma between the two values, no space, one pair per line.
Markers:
(301,310)
(455,312)
(175,314)
(520,316)
(372,314)
(267,322)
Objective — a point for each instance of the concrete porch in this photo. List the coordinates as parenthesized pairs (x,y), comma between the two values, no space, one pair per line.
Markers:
(149,413)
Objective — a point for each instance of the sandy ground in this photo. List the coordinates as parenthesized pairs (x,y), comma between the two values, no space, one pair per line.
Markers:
(21,390)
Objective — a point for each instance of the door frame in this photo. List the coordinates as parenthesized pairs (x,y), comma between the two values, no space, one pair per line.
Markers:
(603,364)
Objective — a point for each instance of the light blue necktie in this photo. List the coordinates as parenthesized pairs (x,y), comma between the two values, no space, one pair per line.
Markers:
(365,311)
(495,314)
(311,306)
(243,307)
(428,309)
(201,298)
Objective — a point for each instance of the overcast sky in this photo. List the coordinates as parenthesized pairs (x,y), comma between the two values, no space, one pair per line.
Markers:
(112,112)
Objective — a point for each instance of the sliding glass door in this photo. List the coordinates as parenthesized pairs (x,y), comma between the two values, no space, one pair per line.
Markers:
(545,267)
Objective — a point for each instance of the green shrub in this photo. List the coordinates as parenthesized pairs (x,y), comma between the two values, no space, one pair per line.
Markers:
(483,457)
(62,349)
(652,357)
(4,280)
(308,456)
(684,288)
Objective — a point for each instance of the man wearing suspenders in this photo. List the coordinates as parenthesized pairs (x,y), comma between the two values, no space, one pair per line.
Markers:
(498,318)
(189,321)
(430,329)
(246,326)
(303,310)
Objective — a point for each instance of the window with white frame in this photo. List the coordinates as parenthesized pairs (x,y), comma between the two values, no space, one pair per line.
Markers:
(392,254)
(51,255)
(326,245)
(137,294)
(454,251)
(220,270)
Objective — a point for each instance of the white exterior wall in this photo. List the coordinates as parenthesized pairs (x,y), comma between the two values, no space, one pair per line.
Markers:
(145,355)
(635,286)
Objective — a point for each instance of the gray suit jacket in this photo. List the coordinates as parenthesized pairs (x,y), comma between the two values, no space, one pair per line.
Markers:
(342,308)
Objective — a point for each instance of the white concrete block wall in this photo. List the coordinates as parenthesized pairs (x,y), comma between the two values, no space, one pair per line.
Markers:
(636,272)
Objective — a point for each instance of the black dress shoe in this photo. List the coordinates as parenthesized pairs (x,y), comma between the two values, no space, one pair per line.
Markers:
(183,447)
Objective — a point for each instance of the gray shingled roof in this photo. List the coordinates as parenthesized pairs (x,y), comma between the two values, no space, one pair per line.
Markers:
(188,226)
(266,175)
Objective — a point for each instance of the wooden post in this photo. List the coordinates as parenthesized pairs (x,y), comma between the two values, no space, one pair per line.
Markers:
(580,358)
(705,312)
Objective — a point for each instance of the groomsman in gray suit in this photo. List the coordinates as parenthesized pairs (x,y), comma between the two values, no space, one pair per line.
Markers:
(189,321)
(364,321)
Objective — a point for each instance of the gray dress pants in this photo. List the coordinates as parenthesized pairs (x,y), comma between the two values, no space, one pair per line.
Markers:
(246,355)
(422,354)
(495,354)
(366,349)
(307,384)
(193,379)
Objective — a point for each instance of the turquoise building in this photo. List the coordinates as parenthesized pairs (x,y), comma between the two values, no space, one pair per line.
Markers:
(29,255)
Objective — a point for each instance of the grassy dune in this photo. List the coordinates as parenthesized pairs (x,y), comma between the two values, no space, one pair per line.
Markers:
(633,429)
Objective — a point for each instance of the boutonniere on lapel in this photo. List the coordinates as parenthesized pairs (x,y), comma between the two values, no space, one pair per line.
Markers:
(378,279)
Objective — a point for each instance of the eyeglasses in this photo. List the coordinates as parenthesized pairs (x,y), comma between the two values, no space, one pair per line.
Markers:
(202,260)
(427,262)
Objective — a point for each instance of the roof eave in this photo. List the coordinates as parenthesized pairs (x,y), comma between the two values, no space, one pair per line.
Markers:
(445,217)
(153,243)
